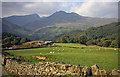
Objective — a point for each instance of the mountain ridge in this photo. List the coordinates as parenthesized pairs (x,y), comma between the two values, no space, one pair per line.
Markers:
(63,17)
(22,20)
(46,28)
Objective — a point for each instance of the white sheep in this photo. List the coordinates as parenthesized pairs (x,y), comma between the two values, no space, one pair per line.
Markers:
(51,52)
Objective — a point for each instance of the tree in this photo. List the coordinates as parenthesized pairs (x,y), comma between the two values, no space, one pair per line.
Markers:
(96,41)
(14,42)
(64,39)
(7,44)
(23,40)
(9,39)
(81,39)
(90,42)
(114,44)
(106,43)
(60,40)
(100,44)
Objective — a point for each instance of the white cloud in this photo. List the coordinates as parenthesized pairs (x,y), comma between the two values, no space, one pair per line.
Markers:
(102,0)
(60,0)
(44,0)
(41,8)
(23,8)
(28,5)
(97,9)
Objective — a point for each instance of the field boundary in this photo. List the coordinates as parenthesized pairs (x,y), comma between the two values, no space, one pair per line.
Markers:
(54,68)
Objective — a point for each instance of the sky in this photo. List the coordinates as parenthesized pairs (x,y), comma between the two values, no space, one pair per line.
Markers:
(90,8)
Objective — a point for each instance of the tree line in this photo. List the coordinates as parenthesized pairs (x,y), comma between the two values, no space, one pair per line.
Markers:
(9,39)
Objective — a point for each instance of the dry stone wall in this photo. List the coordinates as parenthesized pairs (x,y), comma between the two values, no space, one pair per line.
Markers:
(54,68)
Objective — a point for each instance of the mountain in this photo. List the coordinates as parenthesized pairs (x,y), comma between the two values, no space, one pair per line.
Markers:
(13,28)
(60,22)
(62,18)
(22,20)
(57,17)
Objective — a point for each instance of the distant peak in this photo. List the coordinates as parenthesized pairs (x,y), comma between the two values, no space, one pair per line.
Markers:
(34,14)
(63,12)
(60,12)
(73,13)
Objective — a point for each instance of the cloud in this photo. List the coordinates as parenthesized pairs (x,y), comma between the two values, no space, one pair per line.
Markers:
(44,0)
(60,0)
(92,9)
(41,8)
(22,8)
(97,9)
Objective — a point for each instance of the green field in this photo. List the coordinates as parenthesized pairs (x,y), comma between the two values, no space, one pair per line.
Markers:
(105,58)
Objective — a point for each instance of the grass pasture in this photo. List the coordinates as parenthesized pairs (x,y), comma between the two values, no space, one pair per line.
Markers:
(105,58)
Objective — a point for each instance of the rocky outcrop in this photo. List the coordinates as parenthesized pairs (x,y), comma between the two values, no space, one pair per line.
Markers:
(55,68)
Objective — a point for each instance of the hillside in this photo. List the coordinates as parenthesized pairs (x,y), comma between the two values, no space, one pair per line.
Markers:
(109,31)
(106,35)
(22,20)
(13,28)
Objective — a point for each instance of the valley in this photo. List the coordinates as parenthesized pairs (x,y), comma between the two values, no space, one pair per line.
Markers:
(62,39)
